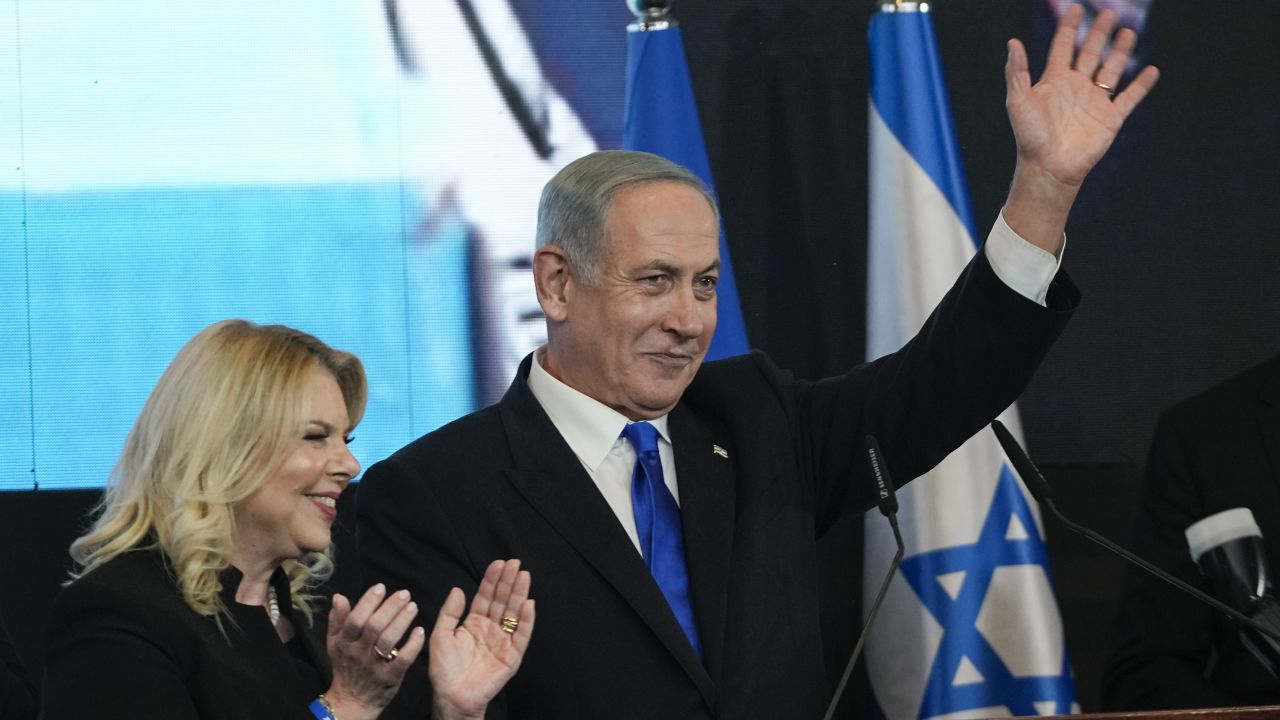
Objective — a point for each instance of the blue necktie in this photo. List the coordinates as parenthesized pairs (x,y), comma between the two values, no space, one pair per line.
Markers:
(658,525)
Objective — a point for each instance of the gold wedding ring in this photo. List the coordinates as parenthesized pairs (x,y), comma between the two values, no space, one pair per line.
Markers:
(1110,90)
(509,624)
(387,656)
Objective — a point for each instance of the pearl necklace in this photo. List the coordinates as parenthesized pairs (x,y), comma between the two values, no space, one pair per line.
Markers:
(273,605)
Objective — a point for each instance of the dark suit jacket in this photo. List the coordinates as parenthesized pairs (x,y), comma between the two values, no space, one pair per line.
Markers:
(502,483)
(124,645)
(1214,452)
(17,692)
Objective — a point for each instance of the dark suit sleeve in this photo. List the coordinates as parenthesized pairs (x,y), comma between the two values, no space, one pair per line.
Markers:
(107,659)
(17,692)
(1164,638)
(408,541)
(972,358)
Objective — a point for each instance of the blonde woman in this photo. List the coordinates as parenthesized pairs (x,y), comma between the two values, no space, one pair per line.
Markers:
(196,590)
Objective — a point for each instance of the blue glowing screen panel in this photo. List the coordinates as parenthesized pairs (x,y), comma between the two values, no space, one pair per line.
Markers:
(347,168)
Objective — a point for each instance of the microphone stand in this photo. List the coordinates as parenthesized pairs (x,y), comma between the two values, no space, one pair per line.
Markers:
(1040,490)
(888,503)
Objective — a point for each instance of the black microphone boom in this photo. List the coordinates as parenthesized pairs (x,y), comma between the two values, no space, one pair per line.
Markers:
(1040,490)
(888,502)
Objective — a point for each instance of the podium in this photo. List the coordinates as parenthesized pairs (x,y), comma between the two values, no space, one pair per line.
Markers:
(1244,713)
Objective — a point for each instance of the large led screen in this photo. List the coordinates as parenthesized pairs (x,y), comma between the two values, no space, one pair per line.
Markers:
(366,171)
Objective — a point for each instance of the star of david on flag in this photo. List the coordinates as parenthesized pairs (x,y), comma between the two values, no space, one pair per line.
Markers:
(970,627)
(969,668)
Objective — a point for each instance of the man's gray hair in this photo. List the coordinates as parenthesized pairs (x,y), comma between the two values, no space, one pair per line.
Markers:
(575,203)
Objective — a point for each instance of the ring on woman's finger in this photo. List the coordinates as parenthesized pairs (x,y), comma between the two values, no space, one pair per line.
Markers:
(386,656)
(509,624)
(1110,90)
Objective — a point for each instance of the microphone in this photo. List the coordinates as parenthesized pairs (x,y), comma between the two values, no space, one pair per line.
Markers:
(1227,547)
(1041,491)
(888,503)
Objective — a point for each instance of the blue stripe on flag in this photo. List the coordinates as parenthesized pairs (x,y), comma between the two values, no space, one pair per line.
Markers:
(662,118)
(914,104)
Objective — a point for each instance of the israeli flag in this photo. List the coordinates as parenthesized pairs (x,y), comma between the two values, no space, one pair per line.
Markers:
(971,628)
(662,118)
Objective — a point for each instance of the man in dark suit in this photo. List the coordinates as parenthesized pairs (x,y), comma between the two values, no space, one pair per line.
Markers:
(1216,451)
(668,510)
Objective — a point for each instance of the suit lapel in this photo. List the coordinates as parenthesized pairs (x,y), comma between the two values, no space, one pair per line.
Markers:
(704,473)
(549,476)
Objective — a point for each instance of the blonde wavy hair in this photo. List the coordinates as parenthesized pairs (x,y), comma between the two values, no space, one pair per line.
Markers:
(217,426)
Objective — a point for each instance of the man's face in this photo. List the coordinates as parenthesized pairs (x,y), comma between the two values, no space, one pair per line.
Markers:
(636,336)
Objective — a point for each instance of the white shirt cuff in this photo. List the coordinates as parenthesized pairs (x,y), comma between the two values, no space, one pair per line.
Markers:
(1022,266)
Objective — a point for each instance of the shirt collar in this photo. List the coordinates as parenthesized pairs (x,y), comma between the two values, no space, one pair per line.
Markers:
(588,426)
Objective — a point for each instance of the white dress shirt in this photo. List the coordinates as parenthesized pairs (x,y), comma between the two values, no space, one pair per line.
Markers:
(1022,266)
(594,431)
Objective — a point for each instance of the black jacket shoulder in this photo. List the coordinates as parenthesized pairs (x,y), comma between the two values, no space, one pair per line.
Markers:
(123,643)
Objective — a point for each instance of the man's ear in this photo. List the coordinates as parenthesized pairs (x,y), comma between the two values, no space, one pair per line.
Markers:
(551,276)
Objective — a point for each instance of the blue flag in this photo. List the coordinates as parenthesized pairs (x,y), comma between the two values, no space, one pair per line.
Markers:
(971,627)
(662,118)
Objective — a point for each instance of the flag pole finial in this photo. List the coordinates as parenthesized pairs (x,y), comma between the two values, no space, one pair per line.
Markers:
(651,15)
(908,6)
